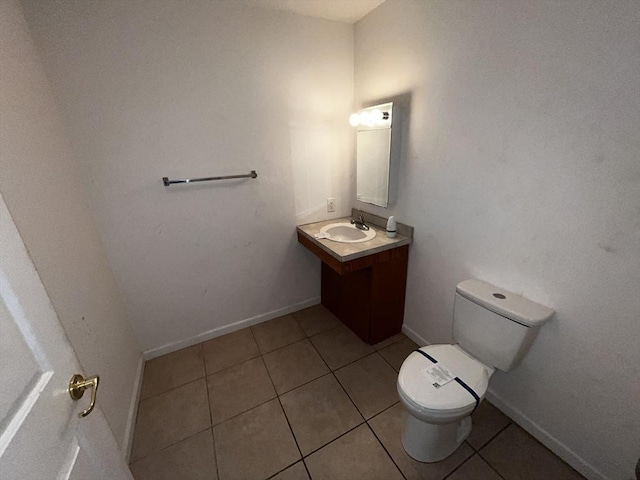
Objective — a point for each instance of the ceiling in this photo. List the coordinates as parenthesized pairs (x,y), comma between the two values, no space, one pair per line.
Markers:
(349,11)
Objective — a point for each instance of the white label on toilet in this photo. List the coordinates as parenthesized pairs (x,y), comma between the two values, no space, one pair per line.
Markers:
(438,375)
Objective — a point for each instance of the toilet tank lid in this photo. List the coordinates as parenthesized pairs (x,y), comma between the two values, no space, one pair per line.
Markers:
(504,303)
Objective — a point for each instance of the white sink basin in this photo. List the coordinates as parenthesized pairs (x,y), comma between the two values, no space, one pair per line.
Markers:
(347,233)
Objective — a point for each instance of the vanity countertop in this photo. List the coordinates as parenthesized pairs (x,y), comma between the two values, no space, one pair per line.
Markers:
(345,252)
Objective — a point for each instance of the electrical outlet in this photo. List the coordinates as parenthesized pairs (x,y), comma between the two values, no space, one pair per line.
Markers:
(331,204)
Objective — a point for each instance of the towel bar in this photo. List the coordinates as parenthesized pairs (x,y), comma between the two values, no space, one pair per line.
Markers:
(168,182)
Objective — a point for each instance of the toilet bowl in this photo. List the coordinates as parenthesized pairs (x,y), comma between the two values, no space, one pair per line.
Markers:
(442,385)
(439,418)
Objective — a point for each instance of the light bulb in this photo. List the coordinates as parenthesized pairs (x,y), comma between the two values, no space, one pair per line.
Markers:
(376,116)
(365,119)
(354,119)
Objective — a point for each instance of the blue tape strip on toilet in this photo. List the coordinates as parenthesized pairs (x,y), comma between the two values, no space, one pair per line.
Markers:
(462,384)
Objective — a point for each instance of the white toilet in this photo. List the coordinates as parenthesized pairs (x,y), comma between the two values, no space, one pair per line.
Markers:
(441,385)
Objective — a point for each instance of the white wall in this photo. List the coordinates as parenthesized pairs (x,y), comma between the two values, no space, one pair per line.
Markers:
(521,166)
(41,183)
(201,88)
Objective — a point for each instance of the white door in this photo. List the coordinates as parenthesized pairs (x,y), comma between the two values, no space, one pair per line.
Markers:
(41,435)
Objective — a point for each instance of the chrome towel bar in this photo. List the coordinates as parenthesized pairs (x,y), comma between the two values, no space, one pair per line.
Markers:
(168,182)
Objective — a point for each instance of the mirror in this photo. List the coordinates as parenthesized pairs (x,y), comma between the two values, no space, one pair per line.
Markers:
(373,153)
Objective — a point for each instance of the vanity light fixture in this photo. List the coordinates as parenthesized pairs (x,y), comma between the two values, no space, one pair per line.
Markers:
(371,117)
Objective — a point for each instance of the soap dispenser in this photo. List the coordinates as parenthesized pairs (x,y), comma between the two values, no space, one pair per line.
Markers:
(391,227)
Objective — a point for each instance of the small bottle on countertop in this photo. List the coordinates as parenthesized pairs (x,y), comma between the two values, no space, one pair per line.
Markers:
(391,227)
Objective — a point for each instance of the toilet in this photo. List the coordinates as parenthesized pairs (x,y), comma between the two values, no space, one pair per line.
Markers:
(442,385)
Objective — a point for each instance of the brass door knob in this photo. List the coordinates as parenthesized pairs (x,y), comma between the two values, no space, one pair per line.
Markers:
(77,386)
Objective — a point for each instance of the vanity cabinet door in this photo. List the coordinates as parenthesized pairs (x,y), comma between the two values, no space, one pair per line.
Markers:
(369,301)
(388,287)
(348,297)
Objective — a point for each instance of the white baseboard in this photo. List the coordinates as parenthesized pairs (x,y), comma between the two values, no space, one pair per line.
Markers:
(544,437)
(133,411)
(409,332)
(552,443)
(219,331)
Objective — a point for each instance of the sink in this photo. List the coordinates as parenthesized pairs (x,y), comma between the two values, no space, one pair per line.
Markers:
(347,233)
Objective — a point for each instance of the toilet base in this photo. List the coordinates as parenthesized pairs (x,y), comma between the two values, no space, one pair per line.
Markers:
(427,442)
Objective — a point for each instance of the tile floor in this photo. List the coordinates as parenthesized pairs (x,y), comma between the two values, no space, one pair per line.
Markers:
(301,397)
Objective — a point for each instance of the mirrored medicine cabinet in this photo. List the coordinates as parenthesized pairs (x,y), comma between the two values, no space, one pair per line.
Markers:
(373,153)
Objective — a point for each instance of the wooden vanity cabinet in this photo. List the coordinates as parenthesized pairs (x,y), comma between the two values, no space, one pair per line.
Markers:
(367,293)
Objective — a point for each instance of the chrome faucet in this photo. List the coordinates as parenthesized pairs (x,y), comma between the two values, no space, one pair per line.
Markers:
(359,223)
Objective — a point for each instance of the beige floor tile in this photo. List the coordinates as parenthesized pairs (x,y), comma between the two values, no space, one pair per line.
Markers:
(515,454)
(319,412)
(277,333)
(294,365)
(396,353)
(192,459)
(487,421)
(238,389)
(388,427)
(398,337)
(475,469)
(371,384)
(316,319)
(294,472)
(355,456)
(172,370)
(229,350)
(170,417)
(340,346)
(255,445)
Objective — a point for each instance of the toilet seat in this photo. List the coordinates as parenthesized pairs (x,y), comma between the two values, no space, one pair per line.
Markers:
(451,399)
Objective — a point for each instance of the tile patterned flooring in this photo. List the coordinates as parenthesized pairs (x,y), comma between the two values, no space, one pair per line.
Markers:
(301,397)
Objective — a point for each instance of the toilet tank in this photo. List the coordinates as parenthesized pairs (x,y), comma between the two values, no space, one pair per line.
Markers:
(495,326)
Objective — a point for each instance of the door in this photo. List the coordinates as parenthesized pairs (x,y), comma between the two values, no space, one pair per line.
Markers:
(41,434)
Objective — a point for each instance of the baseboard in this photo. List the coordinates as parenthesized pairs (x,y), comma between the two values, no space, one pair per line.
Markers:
(133,411)
(219,331)
(544,437)
(409,332)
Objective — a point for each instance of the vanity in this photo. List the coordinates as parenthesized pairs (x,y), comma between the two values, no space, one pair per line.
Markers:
(363,284)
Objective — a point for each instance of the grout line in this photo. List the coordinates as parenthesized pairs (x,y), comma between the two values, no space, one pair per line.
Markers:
(493,437)
(235,365)
(385,448)
(486,444)
(341,386)
(388,362)
(170,390)
(490,466)
(382,411)
(284,413)
(303,384)
(473,454)
(390,344)
(340,324)
(206,385)
(347,364)
(255,406)
(171,445)
(215,453)
(243,412)
(349,396)
(335,439)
